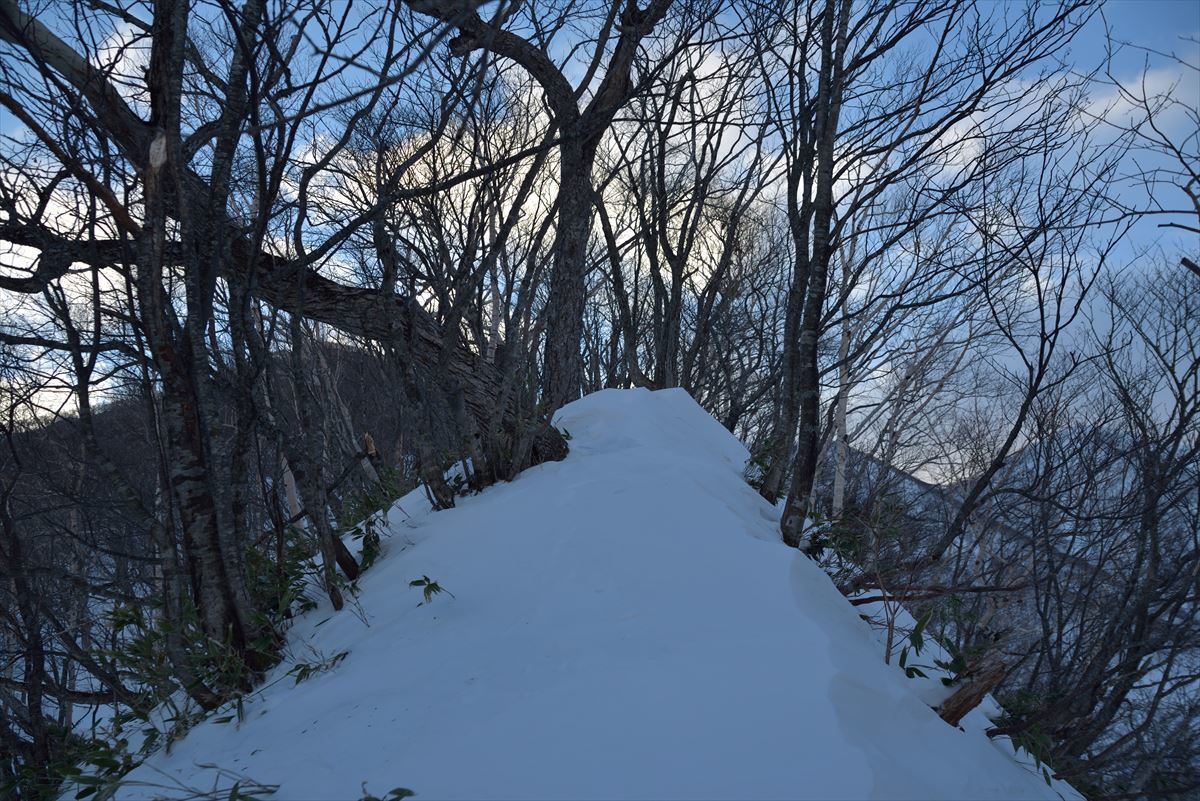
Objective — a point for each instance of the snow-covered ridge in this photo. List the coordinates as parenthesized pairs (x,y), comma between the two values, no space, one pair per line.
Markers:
(624,624)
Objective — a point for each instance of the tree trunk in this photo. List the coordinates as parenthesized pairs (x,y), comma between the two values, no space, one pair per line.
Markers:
(971,691)
(564,308)
(829,99)
(842,455)
(783,432)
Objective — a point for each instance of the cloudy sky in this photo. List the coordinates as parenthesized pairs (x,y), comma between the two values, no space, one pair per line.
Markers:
(1170,27)
(1157,23)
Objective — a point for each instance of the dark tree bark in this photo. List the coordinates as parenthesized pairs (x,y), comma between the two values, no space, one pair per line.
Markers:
(971,691)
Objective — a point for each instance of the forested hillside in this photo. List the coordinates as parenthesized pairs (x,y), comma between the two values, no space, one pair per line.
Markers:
(267,266)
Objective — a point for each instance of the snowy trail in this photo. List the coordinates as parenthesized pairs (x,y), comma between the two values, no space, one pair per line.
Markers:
(625,624)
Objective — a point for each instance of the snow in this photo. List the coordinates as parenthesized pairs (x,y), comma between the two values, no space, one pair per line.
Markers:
(929,687)
(624,624)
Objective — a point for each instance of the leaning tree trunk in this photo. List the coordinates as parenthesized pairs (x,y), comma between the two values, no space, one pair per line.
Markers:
(306,447)
(972,690)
